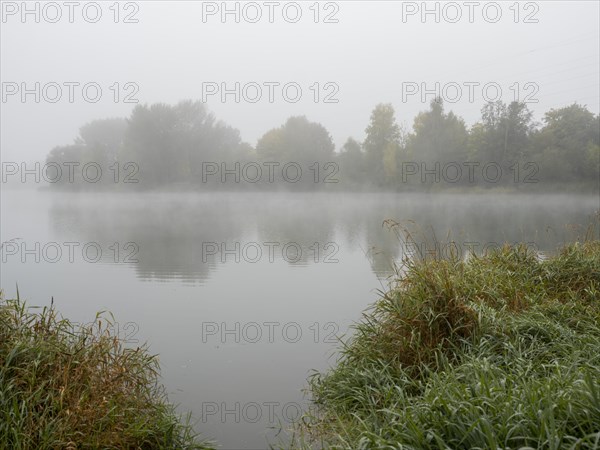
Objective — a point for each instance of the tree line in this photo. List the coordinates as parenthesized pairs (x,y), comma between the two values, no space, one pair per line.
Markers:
(185,146)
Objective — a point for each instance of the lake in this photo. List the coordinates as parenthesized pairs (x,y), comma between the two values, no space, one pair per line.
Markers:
(243,295)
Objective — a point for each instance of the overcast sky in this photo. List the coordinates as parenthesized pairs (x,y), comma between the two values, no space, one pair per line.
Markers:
(176,50)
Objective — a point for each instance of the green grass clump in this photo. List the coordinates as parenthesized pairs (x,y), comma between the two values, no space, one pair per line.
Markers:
(68,386)
(495,351)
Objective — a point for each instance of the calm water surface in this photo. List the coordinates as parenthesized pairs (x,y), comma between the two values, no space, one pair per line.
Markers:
(242,295)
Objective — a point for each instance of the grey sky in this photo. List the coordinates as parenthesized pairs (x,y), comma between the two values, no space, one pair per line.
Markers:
(368,54)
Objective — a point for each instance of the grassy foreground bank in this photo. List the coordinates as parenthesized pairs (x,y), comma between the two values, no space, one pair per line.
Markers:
(498,351)
(78,387)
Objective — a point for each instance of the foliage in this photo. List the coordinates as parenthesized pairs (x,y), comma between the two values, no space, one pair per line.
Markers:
(171,144)
(382,143)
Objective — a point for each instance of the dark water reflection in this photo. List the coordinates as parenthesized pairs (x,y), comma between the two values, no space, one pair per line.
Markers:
(187,236)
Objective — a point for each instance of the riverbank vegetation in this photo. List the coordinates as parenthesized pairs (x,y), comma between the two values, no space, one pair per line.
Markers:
(68,386)
(493,351)
(184,147)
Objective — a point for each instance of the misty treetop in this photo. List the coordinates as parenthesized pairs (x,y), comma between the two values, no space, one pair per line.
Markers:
(505,148)
(297,140)
(185,146)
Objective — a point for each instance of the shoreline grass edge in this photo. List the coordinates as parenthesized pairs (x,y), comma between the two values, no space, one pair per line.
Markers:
(64,385)
(495,351)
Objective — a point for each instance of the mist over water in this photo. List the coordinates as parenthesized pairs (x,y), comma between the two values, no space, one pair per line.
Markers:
(237,182)
(208,271)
